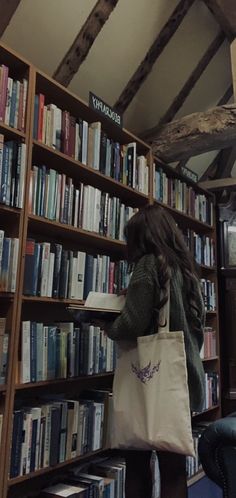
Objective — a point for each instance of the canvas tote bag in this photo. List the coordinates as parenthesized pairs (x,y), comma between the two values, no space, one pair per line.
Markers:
(150,394)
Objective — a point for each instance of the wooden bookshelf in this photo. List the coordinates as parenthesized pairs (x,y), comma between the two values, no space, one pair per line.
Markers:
(23,224)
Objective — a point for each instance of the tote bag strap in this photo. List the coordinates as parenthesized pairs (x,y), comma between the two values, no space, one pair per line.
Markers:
(164,315)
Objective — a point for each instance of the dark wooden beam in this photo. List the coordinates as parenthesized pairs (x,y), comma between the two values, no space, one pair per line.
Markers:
(226,97)
(225,13)
(197,133)
(7,9)
(153,53)
(79,49)
(187,88)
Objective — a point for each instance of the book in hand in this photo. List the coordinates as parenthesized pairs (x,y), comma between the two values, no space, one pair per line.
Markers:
(63,490)
(99,306)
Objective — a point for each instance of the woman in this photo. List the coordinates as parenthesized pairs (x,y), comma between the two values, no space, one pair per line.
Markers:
(157,254)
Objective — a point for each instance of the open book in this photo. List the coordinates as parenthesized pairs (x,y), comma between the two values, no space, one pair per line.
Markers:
(98,306)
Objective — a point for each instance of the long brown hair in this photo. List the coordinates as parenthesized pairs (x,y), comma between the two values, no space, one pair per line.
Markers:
(152,230)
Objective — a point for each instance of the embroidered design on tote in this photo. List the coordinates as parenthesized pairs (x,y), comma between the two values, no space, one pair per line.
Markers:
(146,373)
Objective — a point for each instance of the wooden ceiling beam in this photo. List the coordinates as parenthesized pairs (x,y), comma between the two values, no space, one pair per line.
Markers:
(152,55)
(212,166)
(225,14)
(197,133)
(219,184)
(8,8)
(187,88)
(79,49)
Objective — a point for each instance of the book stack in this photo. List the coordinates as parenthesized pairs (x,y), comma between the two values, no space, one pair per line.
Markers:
(13,97)
(55,197)
(4,342)
(9,248)
(211,389)
(209,346)
(193,464)
(103,478)
(89,144)
(52,271)
(56,431)
(180,196)
(61,351)
(209,294)
(201,246)
(12,172)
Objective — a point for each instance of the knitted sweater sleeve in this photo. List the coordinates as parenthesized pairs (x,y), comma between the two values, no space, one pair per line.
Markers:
(137,314)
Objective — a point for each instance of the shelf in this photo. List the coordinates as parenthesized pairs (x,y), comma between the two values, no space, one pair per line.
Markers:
(197,477)
(184,219)
(47,470)
(85,174)
(206,268)
(213,358)
(44,383)
(211,313)
(39,299)
(9,132)
(211,409)
(78,235)
(7,295)
(3,388)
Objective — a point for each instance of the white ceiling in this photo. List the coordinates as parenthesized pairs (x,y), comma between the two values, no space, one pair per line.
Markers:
(43,30)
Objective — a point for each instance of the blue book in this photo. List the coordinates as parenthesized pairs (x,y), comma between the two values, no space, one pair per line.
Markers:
(52,332)
(5,170)
(13,105)
(39,351)
(35,267)
(17,434)
(6,253)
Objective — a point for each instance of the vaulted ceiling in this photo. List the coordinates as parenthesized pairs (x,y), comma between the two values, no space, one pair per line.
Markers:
(186,64)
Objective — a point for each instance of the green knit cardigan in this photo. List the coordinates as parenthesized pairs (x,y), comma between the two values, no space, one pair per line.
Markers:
(137,319)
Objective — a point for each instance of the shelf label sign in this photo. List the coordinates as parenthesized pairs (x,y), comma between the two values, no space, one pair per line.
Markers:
(189,174)
(104,109)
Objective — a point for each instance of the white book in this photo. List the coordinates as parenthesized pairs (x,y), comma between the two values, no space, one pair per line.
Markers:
(85,208)
(50,274)
(39,350)
(75,221)
(58,197)
(97,144)
(97,209)
(15,251)
(104,301)
(73,275)
(97,422)
(77,141)
(85,142)
(45,268)
(53,109)
(28,437)
(25,352)
(64,490)
(44,128)
(22,176)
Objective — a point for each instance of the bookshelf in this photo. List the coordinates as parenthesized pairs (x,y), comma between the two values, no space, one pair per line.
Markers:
(19,307)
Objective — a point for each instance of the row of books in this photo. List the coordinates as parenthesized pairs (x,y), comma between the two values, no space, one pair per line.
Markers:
(53,271)
(193,464)
(180,196)
(89,144)
(201,246)
(62,350)
(12,172)
(209,294)
(55,197)
(57,430)
(4,344)
(13,99)
(103,478)
(9,248)
(209,348)
(211,390)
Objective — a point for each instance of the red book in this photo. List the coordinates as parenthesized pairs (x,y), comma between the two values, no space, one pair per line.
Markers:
(111,277)
(40,121)
(3,91)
